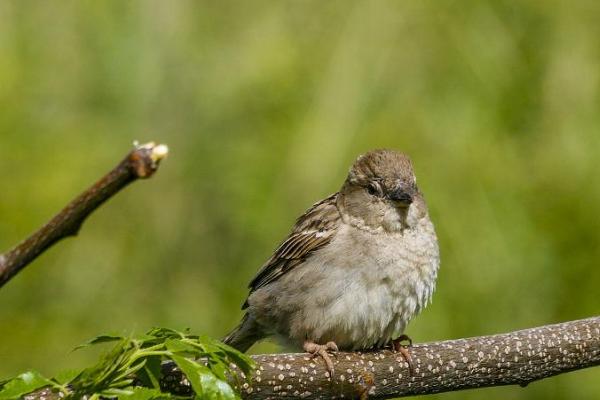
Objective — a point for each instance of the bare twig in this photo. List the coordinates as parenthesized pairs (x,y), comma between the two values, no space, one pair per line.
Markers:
(141,162)
(516,358)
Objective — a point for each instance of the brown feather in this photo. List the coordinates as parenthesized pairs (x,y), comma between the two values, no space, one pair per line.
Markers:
(313,230)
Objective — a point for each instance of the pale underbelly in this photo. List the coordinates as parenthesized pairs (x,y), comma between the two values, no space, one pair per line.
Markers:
(358,293)
(358,313)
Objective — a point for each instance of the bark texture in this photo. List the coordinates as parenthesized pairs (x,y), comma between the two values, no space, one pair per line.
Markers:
(516,358)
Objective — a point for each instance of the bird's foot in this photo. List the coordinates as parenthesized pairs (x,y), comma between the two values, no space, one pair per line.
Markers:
(322,350)
(401,345)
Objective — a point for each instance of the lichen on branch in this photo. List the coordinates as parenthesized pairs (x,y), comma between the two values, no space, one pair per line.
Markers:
(515,358)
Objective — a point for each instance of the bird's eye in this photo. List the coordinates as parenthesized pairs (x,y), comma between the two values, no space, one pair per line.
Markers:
(372,189)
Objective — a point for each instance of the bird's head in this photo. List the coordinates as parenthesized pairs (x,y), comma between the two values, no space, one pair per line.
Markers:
(381,192)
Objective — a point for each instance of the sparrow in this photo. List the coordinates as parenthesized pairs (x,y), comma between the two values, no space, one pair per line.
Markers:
(355,269)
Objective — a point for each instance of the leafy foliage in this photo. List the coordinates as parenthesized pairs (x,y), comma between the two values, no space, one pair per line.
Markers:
(131,369)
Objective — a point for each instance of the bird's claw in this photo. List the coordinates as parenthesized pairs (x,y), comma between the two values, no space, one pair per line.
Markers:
(322,350)
(402,348)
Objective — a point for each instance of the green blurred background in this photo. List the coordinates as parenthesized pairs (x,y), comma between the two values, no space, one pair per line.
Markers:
(264,106)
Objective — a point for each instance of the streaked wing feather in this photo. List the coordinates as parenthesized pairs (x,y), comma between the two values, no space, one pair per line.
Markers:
(313,230)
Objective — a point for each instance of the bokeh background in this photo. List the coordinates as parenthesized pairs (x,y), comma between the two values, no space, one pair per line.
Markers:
(264,106)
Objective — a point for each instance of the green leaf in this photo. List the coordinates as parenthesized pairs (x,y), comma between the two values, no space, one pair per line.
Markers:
(101,375)
(177,346)
(165,333)
(226,390)
(140,393)
(139,359)
(245,363)
(112,392)
(190,369)
(100,339)
(150,374)
(23,384)
(219,369)
(204,382)
(215,389)
(66,376)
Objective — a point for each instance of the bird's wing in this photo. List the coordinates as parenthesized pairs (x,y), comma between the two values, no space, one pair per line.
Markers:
(313,230)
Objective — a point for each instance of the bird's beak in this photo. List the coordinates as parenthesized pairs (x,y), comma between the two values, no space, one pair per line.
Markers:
(402,196)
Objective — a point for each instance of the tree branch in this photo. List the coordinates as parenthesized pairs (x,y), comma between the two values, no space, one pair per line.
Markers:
(516,358)
(141,162)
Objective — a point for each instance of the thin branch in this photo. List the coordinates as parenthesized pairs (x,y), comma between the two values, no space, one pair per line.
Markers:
(141,162)
(516,358)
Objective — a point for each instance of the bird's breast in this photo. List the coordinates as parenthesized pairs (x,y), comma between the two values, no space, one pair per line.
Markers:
(400,267)
(363,287)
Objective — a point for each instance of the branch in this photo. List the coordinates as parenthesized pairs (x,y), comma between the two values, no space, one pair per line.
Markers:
(516,358)
(141,162)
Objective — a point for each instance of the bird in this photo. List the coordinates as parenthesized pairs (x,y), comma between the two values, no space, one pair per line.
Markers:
(355,269)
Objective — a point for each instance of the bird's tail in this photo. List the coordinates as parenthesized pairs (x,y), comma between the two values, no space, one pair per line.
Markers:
(244,335)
